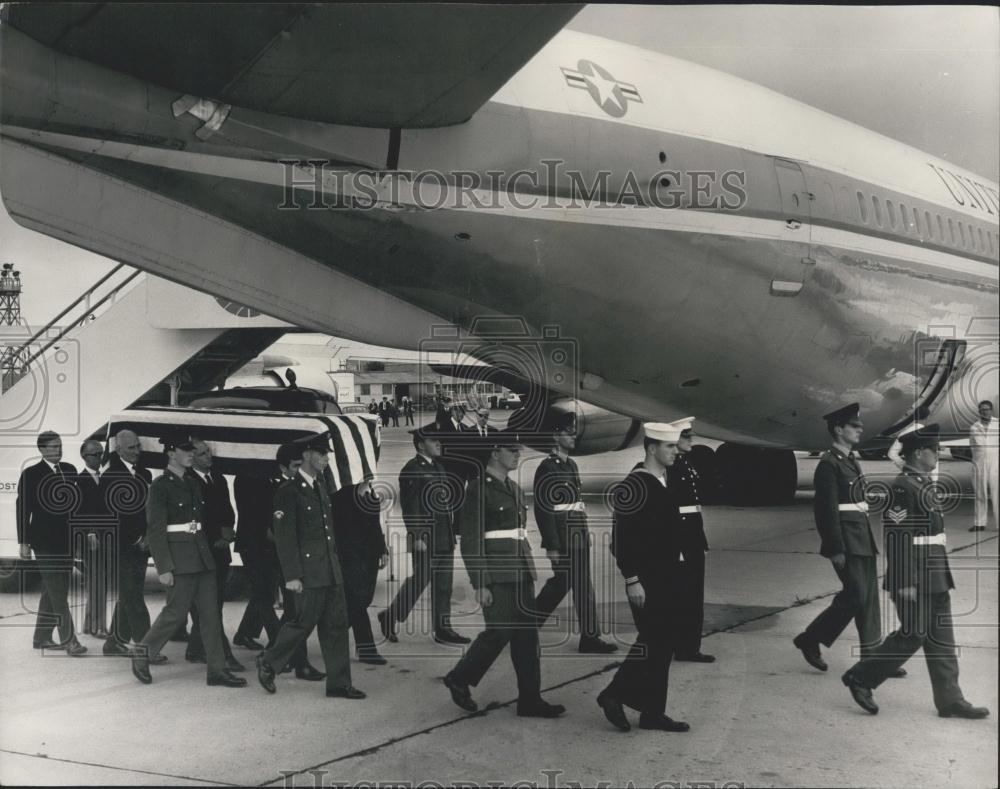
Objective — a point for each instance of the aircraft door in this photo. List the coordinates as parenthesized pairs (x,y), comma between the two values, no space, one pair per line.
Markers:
(796,211)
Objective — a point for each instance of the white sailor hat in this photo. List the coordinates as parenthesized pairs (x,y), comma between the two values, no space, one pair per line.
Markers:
(662,431)
(684,425)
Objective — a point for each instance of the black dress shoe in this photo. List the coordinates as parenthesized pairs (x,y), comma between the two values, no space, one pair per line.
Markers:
(140,669)
(309,672)
(157,659)
(613,710)
(101,633)
(265,675)
(963,709)
(899,673)
(460,693)
(597,646)
(371,657)
(662,723)
(227,680)
(76,649)
(46,645)
(180,635)
(232,664)
(192,658)
(977,528)
(539,708)
(388,628)
(345,692)
(861,694)
(247,643)
(113,648)
(810,652)
(695,657)
(448,636)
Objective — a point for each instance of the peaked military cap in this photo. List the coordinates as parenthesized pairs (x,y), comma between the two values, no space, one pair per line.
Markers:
(842,416)
(177,440)
(288,453)
(928,436)
(317,442)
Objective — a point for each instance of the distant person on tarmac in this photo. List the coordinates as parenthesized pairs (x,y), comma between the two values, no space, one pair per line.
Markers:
(985,441)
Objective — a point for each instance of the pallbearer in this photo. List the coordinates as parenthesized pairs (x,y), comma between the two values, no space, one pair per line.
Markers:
(646,545)
(684,481)
(920,582)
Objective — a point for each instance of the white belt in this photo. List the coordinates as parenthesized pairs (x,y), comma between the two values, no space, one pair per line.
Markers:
(862,507)
(190,526)
(690,509)
(929,539)
(506,534)
(576,506)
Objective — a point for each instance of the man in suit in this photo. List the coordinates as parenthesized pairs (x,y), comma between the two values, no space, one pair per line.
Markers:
(92,533)
(303,531)
(184,563)
(125,489)
(497,555)
(46,495)
(463,453)
(218,520)
(646,545)
(357,528)
(683,478)
(841,513)
(427,497)
(255,541)
(562,522)
(920,582)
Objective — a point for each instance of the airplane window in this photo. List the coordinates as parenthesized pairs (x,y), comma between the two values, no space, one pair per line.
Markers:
(904,220)
(930,226)
(940,225)
(982,240)
(962,240)
(878,210)
(916,222)
(951,233)
(862,208)
(892,213)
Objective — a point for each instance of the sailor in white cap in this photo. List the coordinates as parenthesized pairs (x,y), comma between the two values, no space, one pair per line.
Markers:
(684,480)
(646,546)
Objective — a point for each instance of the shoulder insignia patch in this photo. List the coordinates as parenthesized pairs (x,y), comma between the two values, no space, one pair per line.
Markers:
(897,514)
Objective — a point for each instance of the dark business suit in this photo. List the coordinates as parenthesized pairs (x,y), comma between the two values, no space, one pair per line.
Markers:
(125,495)
(683,479)
(303,532)
(910,520)
(502,564)
(255,545)
(645,532)
(428,498)
(461,450)
(91,517)
(842,522)
(45,499)
(217,514)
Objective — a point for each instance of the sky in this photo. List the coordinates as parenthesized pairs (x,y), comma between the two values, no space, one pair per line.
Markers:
(928,76)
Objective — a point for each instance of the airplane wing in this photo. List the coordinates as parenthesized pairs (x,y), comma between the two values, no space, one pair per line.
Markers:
(381,65)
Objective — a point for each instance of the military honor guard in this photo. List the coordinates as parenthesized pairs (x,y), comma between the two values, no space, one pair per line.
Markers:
(562,520)
(683,479)
(646,545)
(46,495)
(303,530)
(185,565)
(920,582)
(497,555)
(841,513)
(427,496)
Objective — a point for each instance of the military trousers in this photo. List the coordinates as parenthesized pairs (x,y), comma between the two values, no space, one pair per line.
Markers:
(510,619)
(261,567)
(198,589)
(641,680)
(195,648)
(323,609)
(571,571)
(857,600)
(130,620)
(430,567)
(691,617)
(924,622)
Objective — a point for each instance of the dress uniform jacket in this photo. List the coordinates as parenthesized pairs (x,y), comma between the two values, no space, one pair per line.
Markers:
(558,502)
(303,532)
(45,499)
(428,501)
(684,480)
(174,500)
(914,538)
(839,506)
(644,532)
(493,505)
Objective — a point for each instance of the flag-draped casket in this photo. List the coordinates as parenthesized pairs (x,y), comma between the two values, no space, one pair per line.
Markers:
(245,442)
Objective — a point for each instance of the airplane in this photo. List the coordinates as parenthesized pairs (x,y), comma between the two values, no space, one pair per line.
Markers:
(636,236)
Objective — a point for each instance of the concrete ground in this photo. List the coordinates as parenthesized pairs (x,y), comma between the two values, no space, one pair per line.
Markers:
(759,716)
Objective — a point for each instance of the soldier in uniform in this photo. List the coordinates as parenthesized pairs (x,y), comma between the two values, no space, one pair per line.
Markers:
(303,531)
(683,479)
(846,539)
(646,546)
(498,558)
(562,521)
(184,563)
(426,494)
(919,580)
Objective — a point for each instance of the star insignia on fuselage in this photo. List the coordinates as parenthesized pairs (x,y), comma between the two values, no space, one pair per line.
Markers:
(610,94)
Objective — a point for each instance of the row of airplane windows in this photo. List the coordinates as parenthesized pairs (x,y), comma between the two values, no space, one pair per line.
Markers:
(959,234)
